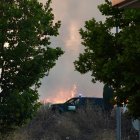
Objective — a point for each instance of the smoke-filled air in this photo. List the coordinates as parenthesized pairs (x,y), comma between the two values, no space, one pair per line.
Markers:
(63,78)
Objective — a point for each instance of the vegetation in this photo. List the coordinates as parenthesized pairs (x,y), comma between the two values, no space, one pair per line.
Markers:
(108,97)
(25,57)
(85,124)
(114,58)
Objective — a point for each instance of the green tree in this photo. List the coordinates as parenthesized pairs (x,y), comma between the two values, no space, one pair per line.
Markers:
(108,97)
(114,58)
(25,57)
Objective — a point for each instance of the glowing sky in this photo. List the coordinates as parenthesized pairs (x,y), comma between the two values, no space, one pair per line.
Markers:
(62,79)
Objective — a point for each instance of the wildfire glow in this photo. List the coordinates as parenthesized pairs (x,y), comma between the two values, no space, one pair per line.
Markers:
(61,96)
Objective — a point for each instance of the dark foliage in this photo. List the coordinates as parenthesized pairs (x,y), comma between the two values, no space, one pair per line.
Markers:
(25,57)
(114,58)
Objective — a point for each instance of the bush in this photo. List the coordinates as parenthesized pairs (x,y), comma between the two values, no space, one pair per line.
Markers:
(85,124)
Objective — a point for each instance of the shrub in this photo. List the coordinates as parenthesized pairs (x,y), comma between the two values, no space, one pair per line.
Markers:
(85,124)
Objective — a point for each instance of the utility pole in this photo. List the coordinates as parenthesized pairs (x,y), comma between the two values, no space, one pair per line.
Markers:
(118,113)
(118,119)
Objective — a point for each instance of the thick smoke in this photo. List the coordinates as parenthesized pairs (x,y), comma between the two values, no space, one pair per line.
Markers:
(63,77)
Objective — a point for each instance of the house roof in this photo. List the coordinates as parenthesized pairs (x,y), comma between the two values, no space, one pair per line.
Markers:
(126,3)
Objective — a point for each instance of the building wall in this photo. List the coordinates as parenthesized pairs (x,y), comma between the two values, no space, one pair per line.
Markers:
(115,2)
(126,3)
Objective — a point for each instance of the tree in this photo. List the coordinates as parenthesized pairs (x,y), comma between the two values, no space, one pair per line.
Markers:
(108,97)
(114,58)
(25,57)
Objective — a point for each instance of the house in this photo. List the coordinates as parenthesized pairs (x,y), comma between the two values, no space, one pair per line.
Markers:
(126,3)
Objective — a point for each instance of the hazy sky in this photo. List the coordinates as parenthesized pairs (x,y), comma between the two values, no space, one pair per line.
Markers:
(63,80)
